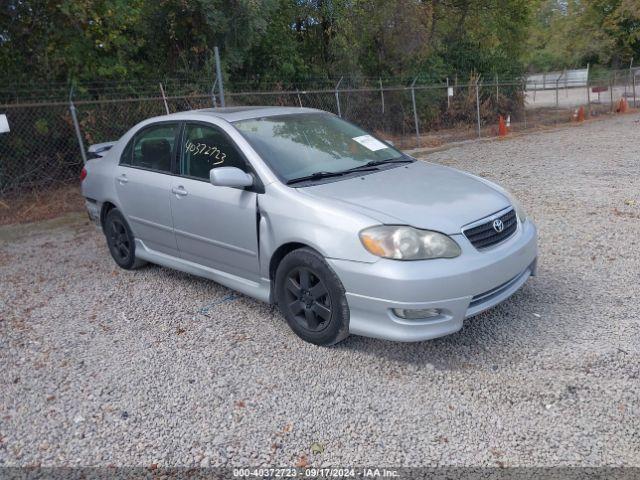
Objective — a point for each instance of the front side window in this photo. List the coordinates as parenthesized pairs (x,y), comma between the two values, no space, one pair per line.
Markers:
(153,147)
(125,158)
(301,144)
(206,147)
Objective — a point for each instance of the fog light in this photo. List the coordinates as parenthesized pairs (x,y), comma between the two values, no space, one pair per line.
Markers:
(418,314)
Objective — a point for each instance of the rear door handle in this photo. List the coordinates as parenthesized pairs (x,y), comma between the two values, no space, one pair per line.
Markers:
(179,191)
(122,179)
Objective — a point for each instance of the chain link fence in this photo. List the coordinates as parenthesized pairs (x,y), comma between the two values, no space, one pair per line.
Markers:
(42,149)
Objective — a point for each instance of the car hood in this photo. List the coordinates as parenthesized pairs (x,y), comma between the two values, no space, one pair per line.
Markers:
(420,194)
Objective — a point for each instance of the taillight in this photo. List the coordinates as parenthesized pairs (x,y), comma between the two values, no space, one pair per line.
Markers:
(83,174)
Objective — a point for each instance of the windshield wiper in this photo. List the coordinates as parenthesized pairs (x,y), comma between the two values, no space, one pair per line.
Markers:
(367,167)
(320,175)
(375,163)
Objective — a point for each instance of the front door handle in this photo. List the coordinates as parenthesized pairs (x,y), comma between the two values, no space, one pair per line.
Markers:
(179,191)
(122,179)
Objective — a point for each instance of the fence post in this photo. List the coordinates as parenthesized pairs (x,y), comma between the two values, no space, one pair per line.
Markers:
(524,102)
(381,94)
(626,82)
(76,126)
(611,82)
(299,99)
(633,80)
(448,97)
(213,94)
(497,92)
(478,104)
(164,98)
(415,111)
(338,97)
(219,75)
(588,94)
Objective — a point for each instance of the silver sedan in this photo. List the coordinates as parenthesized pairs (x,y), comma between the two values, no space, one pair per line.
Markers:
(298,207)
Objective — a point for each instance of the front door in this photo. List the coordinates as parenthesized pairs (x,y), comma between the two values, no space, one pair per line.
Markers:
(214,226)
(143,184)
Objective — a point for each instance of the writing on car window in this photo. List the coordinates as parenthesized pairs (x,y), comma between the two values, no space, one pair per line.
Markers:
(204,149)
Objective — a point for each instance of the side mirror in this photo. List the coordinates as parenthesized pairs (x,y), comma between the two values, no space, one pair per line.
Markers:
(230,177)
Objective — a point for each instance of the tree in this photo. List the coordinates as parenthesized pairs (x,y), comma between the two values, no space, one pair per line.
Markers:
(289,41)
(57,40)
(568,34)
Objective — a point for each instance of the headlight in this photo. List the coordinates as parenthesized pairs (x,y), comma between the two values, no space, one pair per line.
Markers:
(407,243)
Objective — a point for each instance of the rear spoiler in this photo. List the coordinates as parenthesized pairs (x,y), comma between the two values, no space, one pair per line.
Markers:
(99,150)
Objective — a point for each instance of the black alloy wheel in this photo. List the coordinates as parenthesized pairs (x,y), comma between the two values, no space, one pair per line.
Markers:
(308,299)
(311,297)
(120,240)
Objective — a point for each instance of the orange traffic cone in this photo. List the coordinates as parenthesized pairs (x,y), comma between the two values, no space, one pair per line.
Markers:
(502,127)
(580,116)
(622,106)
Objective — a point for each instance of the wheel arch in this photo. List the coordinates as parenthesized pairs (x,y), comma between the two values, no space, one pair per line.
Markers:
(277,256)
(107,206)
(338,328)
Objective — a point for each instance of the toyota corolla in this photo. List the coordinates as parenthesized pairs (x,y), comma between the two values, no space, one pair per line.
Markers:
(297,207)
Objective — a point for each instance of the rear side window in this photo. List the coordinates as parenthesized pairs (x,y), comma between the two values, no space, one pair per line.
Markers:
(154,147)
(206,147)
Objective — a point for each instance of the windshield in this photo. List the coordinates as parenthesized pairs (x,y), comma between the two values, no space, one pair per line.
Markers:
(302,144)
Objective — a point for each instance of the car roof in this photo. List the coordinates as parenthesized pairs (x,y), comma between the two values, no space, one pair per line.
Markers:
(232,114)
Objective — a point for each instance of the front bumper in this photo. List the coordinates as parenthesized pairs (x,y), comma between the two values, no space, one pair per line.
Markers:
(460,287)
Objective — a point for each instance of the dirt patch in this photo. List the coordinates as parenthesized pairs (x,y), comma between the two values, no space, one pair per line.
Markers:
(38,205)
(71,221)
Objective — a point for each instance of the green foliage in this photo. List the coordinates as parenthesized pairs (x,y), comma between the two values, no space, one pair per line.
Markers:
(41,126)
(290,41)
(572,33)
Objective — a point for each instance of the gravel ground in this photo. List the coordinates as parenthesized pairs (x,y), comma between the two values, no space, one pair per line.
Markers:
(101,366)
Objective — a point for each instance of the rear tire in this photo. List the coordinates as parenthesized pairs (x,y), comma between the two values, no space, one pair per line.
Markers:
(312,298)
(121,241)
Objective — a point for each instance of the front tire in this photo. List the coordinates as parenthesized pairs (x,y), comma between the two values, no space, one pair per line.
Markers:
(121,241)
(312,298)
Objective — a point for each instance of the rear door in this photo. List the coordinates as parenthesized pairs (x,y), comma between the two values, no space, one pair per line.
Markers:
(214,226)
(143,184)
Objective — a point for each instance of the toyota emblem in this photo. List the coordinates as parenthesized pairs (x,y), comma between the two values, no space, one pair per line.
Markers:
(498,226)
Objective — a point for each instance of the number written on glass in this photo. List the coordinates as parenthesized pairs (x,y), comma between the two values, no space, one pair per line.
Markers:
(207,150)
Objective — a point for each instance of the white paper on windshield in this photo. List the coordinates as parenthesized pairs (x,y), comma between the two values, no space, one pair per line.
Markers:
(4,123)
(369,142)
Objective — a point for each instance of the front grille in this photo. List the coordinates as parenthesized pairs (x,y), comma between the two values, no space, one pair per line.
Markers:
(485,235)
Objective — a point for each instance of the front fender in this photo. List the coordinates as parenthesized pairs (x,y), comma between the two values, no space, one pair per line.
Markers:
(290,216)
